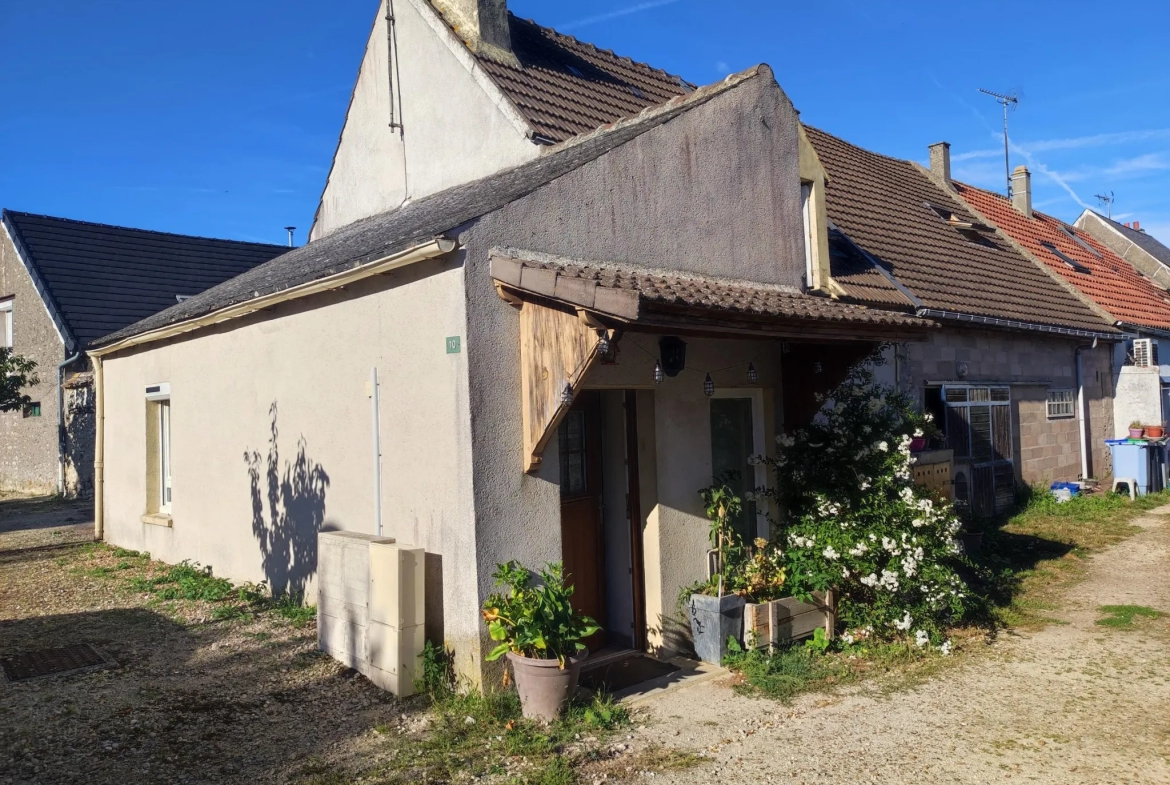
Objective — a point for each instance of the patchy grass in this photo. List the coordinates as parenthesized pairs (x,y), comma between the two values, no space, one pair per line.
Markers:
(1032,557)
(1121,617)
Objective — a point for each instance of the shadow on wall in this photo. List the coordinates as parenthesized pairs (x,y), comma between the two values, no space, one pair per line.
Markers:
(294,496)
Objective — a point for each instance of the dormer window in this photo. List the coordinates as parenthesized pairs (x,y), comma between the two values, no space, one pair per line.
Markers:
(1073,263)
(972,231)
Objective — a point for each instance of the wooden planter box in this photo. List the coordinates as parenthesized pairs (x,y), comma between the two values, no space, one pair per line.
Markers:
(933,470)
(782,621)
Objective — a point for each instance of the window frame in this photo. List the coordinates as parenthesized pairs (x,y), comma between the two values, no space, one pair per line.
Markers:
(1071,402)
(806,212)
(759,444)
(7,323)
(165,468)
(1068,260)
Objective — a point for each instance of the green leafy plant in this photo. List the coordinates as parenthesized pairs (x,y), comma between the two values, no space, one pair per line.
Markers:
(438,672)
(16,373)
(1121,617)
(819,643)
(535,621)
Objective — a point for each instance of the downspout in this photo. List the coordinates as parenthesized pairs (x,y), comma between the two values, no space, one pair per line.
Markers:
(1082,413)
(61,424)
(99,449)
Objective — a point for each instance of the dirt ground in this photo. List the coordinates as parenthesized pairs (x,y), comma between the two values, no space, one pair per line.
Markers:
(1073,703)
(191,699)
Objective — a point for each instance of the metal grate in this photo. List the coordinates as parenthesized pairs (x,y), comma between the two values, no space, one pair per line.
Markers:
(51,662)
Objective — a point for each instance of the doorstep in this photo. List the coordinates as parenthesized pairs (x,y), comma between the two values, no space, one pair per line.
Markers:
(685,672)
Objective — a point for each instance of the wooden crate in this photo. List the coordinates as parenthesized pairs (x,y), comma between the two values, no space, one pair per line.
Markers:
(933,470)
(788,619)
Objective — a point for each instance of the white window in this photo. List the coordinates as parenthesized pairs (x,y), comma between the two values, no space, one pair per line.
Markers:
(1060,404)
(6,323)
(164,455)
(806,207)
(158,449)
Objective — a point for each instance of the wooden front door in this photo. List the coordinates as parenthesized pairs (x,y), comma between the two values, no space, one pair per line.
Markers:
(582,533)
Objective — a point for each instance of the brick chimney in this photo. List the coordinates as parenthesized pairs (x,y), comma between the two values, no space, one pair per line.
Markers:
(1022,190)
(940,161)
(482,24)
(1137,226)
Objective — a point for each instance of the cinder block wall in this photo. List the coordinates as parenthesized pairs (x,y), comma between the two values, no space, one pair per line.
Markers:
(1045,450)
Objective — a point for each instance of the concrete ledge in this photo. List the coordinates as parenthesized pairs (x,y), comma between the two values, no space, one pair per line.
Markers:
(158,519)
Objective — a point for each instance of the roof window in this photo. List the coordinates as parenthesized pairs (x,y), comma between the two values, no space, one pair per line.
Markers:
(1073,263)
(1076,238)
(574,70)
(972,231)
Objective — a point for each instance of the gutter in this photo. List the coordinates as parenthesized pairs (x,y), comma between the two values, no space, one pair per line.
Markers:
(1082,411)
(61,423)
(993,321)
(418,253)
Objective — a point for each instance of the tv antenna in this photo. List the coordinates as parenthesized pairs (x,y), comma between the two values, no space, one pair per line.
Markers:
(1107,200)
(1009,100)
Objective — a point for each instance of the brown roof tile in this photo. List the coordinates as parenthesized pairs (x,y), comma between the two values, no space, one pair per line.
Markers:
(565,87)
(862,281)
(884,205)
(650,289)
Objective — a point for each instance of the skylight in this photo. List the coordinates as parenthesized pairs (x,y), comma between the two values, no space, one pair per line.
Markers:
(1076,238)
(1073,263)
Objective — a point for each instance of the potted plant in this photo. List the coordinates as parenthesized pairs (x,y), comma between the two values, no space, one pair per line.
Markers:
(1155,431)
(1135,430)
(537,628)
(716,611)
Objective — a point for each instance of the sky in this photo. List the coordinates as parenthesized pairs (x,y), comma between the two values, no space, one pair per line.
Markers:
(220,118)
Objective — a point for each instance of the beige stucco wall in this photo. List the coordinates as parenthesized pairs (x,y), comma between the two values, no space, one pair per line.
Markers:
(28,445)
(1139,397)
(457,126)
(303,368)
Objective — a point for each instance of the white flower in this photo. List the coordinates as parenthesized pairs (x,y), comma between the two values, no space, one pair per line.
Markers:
(859,549)
(945,648)
(917,523)
(889,582)
(909,566)
(905,623)
(864,485)
(870,580)
(918,433)
(921,637)
(749,497)
(831,554)
(883,447)
(907,495)
(784,440)
(847,637)
(844,572)
(928,417)
(889,545)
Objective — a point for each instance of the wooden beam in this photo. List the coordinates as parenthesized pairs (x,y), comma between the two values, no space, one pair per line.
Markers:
(556,348)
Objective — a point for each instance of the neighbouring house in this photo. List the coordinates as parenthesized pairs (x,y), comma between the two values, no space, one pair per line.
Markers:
(1018,377)
(1131,300)
(64,283)
(1131,242)
(544,364)
(455,90)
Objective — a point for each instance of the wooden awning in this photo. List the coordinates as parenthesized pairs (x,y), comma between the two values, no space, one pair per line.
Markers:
(566,309)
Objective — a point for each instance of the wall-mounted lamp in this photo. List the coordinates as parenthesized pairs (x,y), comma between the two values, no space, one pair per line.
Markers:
(567,395)
(753,377)
(708,386)
(673,352)
(658,374)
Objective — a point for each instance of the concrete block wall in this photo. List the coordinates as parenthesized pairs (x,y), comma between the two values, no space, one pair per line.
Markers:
(1031,364)
(370,607)
(1139,397)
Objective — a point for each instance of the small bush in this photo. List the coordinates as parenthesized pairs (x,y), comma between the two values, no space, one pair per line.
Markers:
(188,581)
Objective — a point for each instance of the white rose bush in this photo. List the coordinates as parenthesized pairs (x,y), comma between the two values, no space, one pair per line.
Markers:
(853,520)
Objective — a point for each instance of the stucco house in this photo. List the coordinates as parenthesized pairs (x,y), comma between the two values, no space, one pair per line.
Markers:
(1019,375)
(1131,300)
(553,359)
(64,283)
(510,89)
(1149,255)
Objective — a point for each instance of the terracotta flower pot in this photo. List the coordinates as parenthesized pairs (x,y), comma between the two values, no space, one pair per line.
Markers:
(545,688)
(1155,431)
(1135,433)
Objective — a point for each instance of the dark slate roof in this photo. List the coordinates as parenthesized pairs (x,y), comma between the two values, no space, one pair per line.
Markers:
(566,87)
(885,204)
(581,284)
(96,278)
(1147,242)
(417,222)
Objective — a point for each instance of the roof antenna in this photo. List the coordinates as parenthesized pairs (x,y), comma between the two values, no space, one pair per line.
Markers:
(290,230)
(1012,100)
(1107,200)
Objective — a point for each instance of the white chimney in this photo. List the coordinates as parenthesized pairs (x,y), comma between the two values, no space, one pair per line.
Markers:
(940,161)
(482,24)
(1022,190)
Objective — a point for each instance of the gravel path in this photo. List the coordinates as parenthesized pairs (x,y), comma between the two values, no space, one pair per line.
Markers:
(1073,703)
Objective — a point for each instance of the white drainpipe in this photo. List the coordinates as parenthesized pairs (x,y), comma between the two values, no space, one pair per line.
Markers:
(61,423)
(1082,413)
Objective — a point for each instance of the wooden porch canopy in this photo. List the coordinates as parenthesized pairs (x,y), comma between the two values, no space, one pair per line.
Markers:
(566,309)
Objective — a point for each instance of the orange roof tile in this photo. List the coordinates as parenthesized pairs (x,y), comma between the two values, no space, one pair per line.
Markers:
(1111,282)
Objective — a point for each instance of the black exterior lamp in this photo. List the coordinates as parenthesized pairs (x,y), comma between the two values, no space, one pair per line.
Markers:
(673,353)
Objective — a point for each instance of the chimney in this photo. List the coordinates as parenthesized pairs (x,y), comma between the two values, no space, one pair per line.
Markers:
(482,24)
(1137,227)
(1022,190)
(940,161)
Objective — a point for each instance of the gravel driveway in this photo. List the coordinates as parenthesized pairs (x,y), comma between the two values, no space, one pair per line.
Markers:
(1073,703)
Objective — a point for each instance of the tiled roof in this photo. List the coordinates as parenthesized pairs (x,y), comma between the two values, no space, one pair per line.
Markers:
(565,87)
(1146,242)
(884,205)
(1110,281)
(581,284)
(96,279)
(420,221)
(862,281)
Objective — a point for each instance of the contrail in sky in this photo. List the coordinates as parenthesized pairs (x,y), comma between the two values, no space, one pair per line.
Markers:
(633,9)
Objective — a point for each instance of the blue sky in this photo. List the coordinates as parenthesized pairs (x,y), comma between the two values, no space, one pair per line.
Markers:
(220,118)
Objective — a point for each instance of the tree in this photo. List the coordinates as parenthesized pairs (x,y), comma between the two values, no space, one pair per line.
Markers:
(16,373)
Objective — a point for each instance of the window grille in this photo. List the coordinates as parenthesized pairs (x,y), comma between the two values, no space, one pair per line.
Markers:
(1060,404)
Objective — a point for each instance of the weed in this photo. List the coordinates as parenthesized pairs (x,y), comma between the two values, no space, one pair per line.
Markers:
(785,673)
(438,672)
(293,608)
(230,613)
(1121,617)
(188,581)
